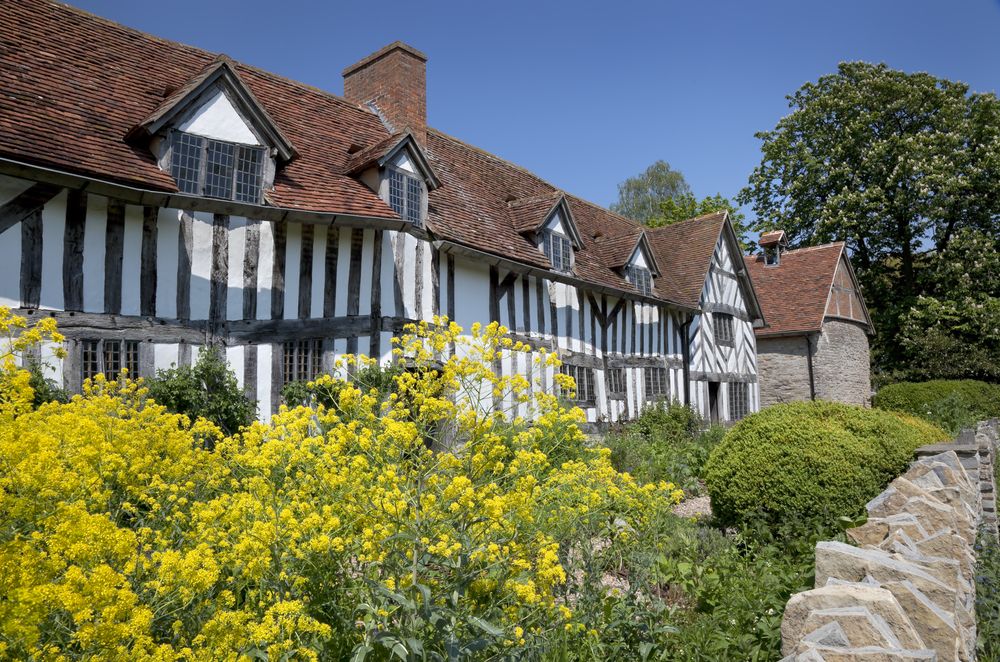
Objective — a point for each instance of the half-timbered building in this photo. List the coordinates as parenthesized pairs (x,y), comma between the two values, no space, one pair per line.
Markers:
(156,198)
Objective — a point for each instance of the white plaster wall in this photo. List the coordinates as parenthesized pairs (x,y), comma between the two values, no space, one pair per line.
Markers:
(132,260)
(367,267)
(10,267)
(343,271)
(201,265)
(234,357)
(167,232)
(93,254)
(53,229)
(165,355)
(293,257)
(234,280)
(264,380)
(318,269)
(217,118)
(265,275)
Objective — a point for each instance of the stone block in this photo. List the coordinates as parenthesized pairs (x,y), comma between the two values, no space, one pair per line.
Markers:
(937,627)
(877,602)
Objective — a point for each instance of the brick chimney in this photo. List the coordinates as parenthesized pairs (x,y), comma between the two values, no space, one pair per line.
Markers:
(393,81)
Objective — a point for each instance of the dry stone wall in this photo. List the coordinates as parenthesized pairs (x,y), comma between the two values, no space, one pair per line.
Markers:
(906,589)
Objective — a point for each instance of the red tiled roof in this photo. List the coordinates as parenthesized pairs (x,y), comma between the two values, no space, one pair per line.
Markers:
(769,238)
(74,85)
(526,214)
(794,293)
(684,253)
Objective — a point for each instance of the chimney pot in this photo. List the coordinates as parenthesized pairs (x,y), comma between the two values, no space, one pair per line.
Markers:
(393,80)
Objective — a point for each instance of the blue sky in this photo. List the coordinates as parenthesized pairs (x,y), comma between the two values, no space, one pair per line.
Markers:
(586,94)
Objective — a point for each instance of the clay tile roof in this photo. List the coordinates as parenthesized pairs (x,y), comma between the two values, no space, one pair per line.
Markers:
(793,294)
(684,253)
(526,214)
(618,249)
(367,157)
(74,85)
(771,238)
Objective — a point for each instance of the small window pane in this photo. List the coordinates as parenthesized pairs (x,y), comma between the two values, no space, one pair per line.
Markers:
(302,360)
(112,358)
(219,169)
(90,358)
(584,378)
(616,381)
(414,192)
(397,195)
(248,173)
(723,328)
(640,278)
(738,401)
(130,358)
(185,160)
(655,380)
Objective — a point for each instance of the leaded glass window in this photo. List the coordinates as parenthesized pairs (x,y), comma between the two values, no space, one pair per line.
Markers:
(216,168)
(109,357)
(406,195)
(303,360)
(616,382)
(584,378)
(559,251)
(739,400)
(655,380)
(640,278)
(723,328)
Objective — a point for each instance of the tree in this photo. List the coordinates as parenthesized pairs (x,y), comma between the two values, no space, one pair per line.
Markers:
(639,197)
(891,163)
(953,332)
(208,389)
(686,205)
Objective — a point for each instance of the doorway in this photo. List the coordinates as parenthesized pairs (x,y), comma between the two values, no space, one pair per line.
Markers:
(713,403)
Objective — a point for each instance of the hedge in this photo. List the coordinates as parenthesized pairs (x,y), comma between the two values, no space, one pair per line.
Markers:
(810,460)
(949,403)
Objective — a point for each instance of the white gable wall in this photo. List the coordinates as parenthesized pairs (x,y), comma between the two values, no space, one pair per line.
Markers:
(217,118)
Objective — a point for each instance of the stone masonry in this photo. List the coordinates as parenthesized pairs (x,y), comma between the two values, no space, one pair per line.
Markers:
(841,365)
(906,589)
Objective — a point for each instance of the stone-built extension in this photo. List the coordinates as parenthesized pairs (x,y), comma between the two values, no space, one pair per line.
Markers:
(907,590)
(814,345)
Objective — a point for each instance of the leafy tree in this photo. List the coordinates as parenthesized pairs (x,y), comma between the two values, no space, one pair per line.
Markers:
(954,331)
(639,197)
(685,205)
(208,389)
(889,162)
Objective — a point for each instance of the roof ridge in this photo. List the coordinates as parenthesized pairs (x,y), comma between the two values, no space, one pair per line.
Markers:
(556,189)
(215,55)
(803,249)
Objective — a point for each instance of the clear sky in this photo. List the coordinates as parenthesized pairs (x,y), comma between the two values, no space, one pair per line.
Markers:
(586,94)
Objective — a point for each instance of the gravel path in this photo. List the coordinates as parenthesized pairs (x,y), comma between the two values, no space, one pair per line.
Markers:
(694,507)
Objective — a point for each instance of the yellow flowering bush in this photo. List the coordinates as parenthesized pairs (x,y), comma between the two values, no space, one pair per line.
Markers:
(446,518)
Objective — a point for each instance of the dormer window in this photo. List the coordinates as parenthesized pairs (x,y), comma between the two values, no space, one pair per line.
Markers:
(640,278)
(217,168)
(772,256)
(558,249)
(406,194)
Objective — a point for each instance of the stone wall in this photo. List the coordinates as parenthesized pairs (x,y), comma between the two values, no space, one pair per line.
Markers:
(906,590)
(842,363)
(841,366)
(782,370)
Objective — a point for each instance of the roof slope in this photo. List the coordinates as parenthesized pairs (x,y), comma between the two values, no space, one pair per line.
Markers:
(684,252)
(793,295)
(75,85)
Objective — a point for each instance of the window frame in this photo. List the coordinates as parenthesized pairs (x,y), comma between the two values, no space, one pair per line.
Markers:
(615,383)
(724,329)
(409,209)
(586,392)
(236,179)
(661,381)
(738,396)
(643,284)
(301,360)
(772,256)
(548,237)
(126,353)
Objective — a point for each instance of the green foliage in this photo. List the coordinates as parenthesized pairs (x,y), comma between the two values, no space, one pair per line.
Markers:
(953,331)
(883,160)
(685,205)
(952,404)
(46,389)
(380,378)
(987,597)
(810,460)
(208,389)
(664,443)
(639,197)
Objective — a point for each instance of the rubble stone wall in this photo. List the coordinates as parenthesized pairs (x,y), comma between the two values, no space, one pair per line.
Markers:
(905,590)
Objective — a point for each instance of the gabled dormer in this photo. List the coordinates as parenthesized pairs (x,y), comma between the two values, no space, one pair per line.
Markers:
(548,221)
(397,169)
(641,267)
(215,138)
(773,244)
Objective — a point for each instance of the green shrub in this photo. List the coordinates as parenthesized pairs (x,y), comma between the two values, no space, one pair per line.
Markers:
(664,443)
(952,404)
(46,389)
(810,460)
(208,389)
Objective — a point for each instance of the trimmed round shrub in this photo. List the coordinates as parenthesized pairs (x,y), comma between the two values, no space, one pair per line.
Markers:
(809,460)
(951,403)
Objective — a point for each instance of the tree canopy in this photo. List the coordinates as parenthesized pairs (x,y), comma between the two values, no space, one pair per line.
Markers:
(639,197)
(894,164)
